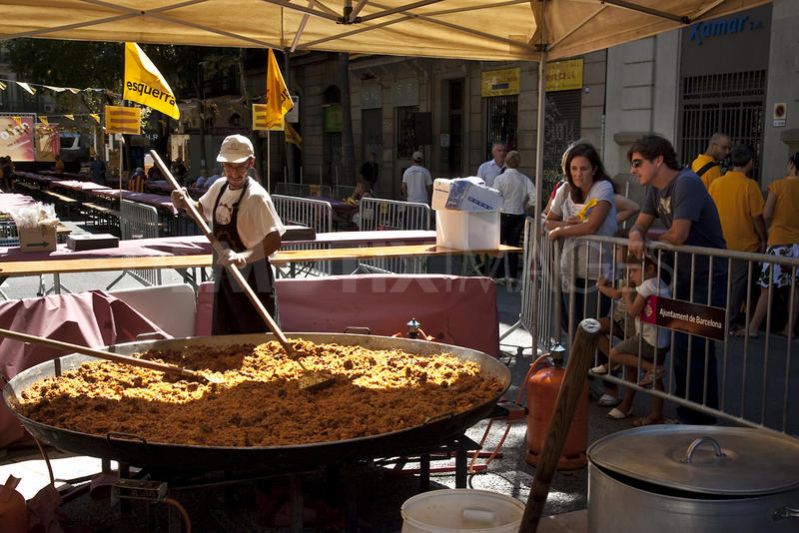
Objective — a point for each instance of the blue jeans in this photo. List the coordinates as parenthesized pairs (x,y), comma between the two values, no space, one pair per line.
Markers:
(688,351)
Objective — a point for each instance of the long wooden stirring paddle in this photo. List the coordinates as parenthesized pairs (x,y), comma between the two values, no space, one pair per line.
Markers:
(115,357)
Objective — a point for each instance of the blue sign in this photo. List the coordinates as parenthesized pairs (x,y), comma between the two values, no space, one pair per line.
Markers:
(716,28)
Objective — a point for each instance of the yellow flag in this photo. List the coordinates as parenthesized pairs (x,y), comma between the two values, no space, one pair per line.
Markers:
(2,86)
(278,99)
(70,117)
(145,85)
(44,120)
(27,87)
(95,116)
(261,121)
(122,119)
(292,137)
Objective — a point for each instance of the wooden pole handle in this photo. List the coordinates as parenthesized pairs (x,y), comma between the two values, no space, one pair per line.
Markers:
(571,390)
(115,357)
(234,272)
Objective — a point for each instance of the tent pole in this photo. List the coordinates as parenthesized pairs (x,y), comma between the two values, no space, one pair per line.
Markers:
(539,200)
(269,161)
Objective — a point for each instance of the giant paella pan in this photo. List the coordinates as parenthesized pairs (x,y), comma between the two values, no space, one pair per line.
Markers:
(358,420)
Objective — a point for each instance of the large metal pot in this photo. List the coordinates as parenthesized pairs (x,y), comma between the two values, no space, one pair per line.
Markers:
(693,479)
(134,450)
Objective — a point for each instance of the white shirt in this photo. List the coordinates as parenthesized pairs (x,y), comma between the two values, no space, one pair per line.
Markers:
(514,188)
(598,264)
(257,215)
(488,171)
(417,178)
(654,336)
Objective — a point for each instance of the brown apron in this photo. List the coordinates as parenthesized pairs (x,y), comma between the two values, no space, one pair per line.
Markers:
(233,313)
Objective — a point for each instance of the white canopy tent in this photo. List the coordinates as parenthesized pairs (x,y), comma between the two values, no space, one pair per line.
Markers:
(499,30)
(465,29)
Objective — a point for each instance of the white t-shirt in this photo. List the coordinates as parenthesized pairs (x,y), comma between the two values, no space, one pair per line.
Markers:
(654,336)
(514,188)
(257,215)
(564,206)
(417,178)
(489,171)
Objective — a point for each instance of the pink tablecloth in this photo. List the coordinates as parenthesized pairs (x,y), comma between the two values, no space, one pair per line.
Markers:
(159,201)
(91,319)
(76,185)
(166,246)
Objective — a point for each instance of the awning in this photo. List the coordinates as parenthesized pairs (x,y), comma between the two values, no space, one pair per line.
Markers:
(466,29)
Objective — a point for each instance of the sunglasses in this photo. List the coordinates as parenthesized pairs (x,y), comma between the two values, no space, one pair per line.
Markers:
(636,163)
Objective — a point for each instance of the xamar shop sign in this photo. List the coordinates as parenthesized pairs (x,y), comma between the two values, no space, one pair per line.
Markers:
(716,28)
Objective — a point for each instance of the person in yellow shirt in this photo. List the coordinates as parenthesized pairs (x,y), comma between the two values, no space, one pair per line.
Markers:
(707,165)
(740,205)
(782,209)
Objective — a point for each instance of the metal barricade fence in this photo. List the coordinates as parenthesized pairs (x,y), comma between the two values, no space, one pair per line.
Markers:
(9,236)
(302,190)
(746,379)
(343,191)
(316,214)
(139,221)
(378,214)
(545,296)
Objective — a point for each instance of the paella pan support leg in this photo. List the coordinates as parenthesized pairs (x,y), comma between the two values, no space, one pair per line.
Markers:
(424,472)
(295,494)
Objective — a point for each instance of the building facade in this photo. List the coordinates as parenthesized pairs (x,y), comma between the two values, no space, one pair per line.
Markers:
(738,75)
(451,110)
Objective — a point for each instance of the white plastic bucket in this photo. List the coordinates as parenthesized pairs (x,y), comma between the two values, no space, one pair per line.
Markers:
(442,511)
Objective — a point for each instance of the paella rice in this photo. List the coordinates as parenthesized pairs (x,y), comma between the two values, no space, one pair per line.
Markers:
(259,400)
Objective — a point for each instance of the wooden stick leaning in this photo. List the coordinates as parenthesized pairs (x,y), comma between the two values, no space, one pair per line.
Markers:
(235,273)
(115,357)
(571,389)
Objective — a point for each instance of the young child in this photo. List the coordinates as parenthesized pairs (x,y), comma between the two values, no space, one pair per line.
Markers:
(618,324)
(652,342)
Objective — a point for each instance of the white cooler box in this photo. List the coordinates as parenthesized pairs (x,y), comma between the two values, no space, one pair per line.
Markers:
(467,230)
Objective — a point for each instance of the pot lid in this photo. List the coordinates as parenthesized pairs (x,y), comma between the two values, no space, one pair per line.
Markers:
(729,461)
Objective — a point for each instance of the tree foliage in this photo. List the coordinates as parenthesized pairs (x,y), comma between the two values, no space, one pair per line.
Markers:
(83,64)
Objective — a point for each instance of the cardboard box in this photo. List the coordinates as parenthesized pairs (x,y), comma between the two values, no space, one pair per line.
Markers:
(464,195)
(467,230)
(37,239)
(90,241)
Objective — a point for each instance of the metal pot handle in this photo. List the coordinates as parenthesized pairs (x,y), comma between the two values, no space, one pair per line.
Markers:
(786,512)
(116,436)
(697,443)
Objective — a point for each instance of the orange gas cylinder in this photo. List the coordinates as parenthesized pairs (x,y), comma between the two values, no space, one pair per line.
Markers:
(13,516)
(546,375)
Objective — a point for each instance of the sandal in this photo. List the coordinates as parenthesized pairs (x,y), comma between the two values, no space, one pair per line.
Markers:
(618,414)
(648,421)
(742,332)
(607,400)
(651,376)
(599,370)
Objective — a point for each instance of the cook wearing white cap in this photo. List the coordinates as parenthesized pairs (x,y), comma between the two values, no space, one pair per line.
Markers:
(245,221)
(417,183)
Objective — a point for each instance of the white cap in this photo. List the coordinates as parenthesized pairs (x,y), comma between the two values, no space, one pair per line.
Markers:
(417,156)
(235,149)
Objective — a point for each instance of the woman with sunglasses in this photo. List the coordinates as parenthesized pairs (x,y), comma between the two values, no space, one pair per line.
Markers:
(782,210)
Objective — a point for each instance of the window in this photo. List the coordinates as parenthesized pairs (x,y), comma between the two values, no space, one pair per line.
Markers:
(562,127)
(501,122)
(406,132)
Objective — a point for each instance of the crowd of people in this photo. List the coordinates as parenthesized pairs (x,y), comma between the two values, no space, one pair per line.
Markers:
(699,205)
